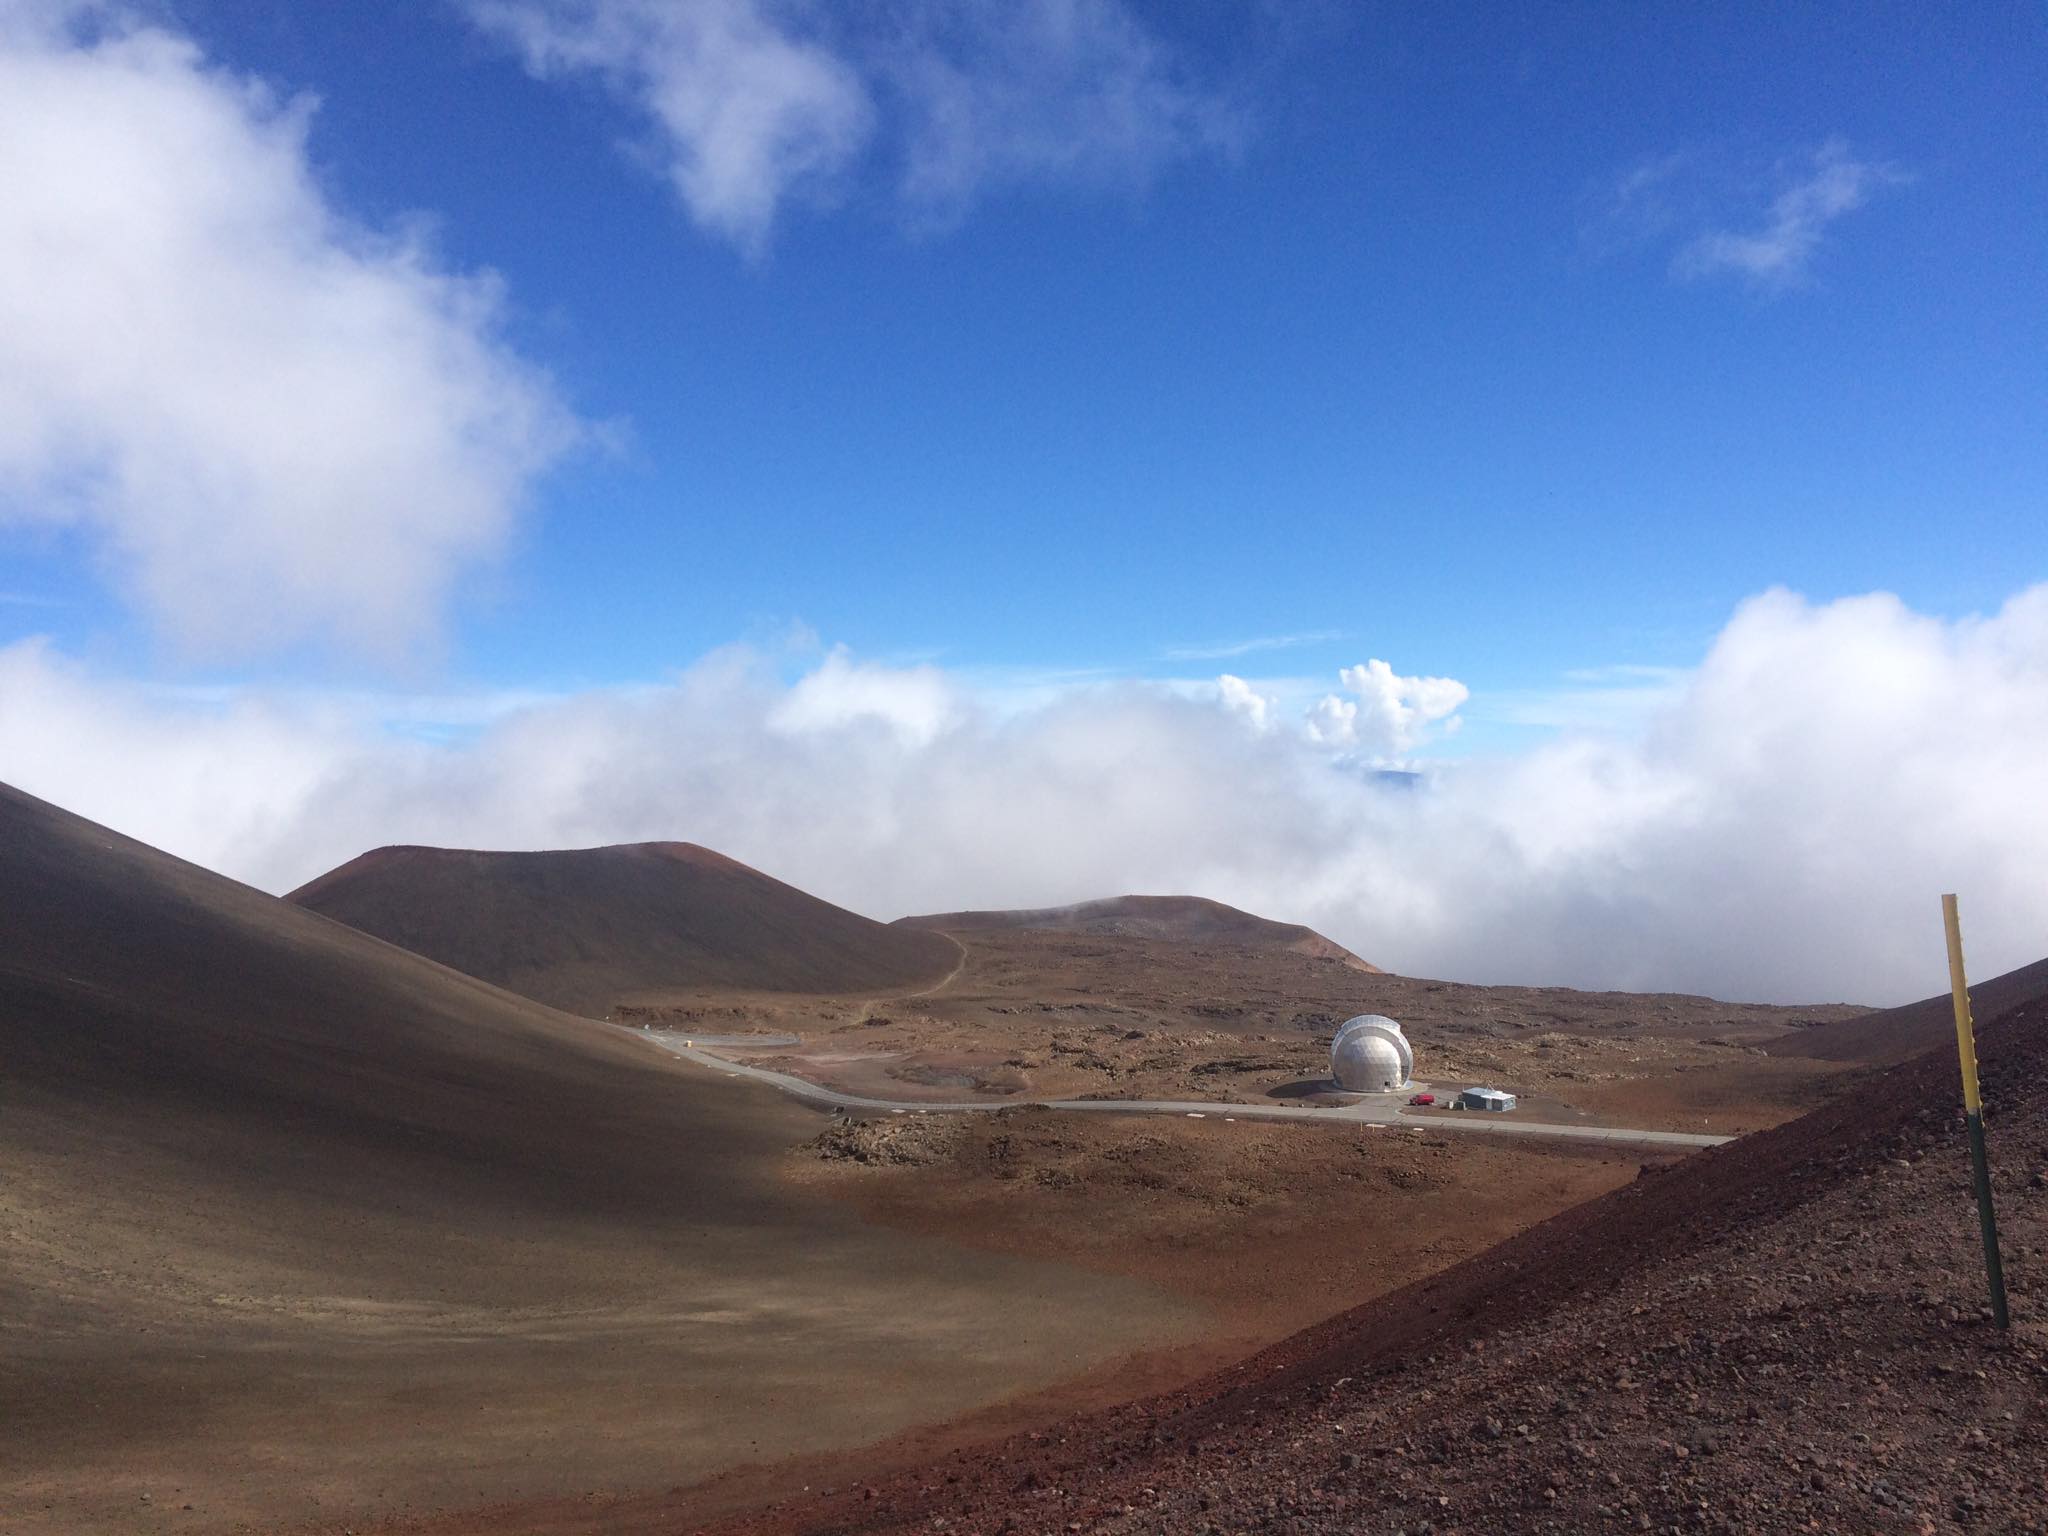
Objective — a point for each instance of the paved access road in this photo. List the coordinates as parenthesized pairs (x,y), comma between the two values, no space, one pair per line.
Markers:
(1379,1110)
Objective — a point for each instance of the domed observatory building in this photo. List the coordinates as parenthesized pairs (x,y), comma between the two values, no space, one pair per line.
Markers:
(1371,1055)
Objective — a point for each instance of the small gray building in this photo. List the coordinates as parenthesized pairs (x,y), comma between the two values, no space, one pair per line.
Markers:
(1486,1098)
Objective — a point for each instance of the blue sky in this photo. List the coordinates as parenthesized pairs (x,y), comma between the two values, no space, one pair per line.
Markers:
(1001,453)
(1387,366)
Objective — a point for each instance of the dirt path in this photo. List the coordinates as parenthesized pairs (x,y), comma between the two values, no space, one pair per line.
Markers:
(867,1009)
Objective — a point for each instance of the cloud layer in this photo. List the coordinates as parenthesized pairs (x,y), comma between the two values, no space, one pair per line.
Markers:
(751,105)
(1781,829)
(272,424)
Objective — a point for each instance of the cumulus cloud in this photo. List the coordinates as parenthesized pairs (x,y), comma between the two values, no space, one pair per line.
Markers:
(1387,715)
(1779,829)
(272,423)
(1779,253)
(754,104)
(1239,696)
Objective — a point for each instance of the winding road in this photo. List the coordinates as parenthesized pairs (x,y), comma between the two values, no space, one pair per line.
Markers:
(1374,1111)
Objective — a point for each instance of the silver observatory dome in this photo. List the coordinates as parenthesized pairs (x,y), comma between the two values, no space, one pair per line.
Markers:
(1371,1055)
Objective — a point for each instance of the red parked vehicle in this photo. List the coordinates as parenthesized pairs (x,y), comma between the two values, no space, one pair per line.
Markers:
(1423,1098)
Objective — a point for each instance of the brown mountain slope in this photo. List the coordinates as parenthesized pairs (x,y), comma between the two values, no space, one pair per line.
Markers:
(1782,1334)
(297,1226)
(1895,1034)
(580,929)
(1184,919)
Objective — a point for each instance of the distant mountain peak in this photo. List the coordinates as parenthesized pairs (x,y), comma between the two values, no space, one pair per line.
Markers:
(582,928)
(1182,919)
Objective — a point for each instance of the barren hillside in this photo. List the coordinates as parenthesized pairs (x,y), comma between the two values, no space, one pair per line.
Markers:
(296,1226)
(1895,1034)
(582,929)
(1185,919)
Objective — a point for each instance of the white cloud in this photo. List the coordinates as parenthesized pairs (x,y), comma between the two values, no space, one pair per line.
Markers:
(915,703)
(748,113)
(1387,716)
(271,423)
(1780,828)
(754,103)
(1779,253)
(1258,709)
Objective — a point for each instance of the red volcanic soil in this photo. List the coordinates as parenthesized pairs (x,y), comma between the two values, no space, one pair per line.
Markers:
(1185,919)
(1782,1334)
(296,1226)
(1895,1034)
(580,929)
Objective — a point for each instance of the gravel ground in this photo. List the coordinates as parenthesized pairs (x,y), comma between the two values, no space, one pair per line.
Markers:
(1786,1334)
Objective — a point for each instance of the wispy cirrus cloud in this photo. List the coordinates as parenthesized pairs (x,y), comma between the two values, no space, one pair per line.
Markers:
(1765,226)
(1778,251)
(750,106)
(1224,650)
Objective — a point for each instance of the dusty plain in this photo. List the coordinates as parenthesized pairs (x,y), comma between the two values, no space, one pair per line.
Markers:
(1040,1015)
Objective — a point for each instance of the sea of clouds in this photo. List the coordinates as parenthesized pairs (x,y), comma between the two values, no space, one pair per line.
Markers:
(1779,829)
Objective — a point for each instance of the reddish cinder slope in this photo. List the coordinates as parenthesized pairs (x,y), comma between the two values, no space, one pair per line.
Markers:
(1783,1334)
(1895,1034)
(580,929)
(298,1228)
(1183,919)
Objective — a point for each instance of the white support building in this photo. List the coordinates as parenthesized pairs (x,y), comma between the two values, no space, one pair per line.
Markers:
(1486,1098)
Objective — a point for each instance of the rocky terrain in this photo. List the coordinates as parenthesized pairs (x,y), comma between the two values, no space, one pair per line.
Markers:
(1784,1334)
(1047,1014)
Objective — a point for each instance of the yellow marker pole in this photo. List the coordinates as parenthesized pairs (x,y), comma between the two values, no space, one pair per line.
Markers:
(1973,1110)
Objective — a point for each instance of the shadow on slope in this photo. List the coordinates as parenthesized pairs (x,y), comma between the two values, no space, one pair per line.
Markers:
(299,1225)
